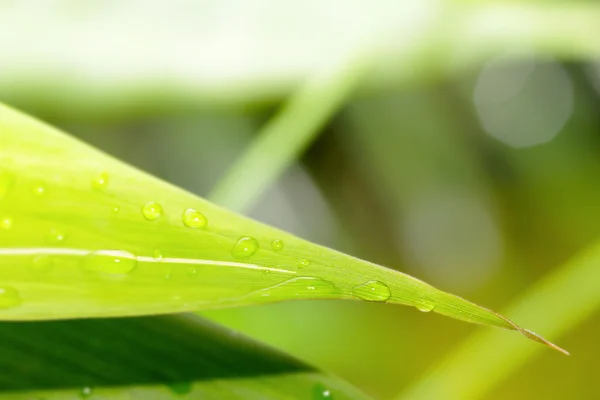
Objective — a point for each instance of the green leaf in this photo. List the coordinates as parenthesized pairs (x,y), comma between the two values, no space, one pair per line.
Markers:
(162,357)
(84,235)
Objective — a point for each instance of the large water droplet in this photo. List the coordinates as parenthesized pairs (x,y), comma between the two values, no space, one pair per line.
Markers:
(321,392)
(277,245)
(372,291)
(424,305)
(9,297)
(194,219)
(110,261)
(245,247)
(6,182)
(100,181)
(6,223)
(152,210)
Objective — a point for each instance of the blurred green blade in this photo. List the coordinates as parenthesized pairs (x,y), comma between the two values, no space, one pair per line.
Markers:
(149,357)
(84,235)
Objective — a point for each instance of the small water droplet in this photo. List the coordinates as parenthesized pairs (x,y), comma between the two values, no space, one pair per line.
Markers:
(245,247)
(100,181)
(372,291)
(85,391)
(56,235)
(194,219)
(9,297)
(303,286)
(192,272)
(110,261)
(321,392)
(6,223)
(157,254)
(181,388)
(277,245)
(115,210)
(303,263)
(39,190)
(41,263)
(168,274)
(424,306)
(152,211)
(6,182)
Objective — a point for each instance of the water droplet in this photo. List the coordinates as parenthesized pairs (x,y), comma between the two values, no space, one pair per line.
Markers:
(181,388)
(424,306)
(192,272)
(110,261)
(115,210)
(6,182)
(194,219)
(303,286)
(41,263)
(245,247)
(303,263)
(56,235)
(277,245)
(168,273)
(85,391)
(321,392)
(157,254)
(9,297)
(152,210)
(39,190)
(100,181)
(372,291)
(6,223)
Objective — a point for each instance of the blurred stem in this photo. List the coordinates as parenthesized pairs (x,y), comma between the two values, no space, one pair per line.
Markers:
(288,134)
(570,293)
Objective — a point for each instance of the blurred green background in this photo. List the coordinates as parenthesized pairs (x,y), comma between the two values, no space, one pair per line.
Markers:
(468,154)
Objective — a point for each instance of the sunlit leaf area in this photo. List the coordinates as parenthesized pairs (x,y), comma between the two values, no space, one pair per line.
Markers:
(286,199)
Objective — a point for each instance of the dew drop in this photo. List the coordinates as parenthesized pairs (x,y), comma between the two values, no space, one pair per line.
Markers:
(115,210)
(303,263)
(100,181)
(9,297)
(6,223)
(157,254)
(245,247)
(41,263)
(321,392)
(56,235)
(168,274)
(39,190)
(194,219)
(152,210)
(277,245)
(303,286)
(424,306)
(181,388)
(85,391)
(372,291)
(6,182)
(110,261)
(192,272)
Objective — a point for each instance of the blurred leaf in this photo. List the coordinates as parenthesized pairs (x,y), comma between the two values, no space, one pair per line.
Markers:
(215,53)
(84,235)
(167,357)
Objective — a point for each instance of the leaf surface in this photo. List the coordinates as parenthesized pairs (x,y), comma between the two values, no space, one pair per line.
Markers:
(85,235)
